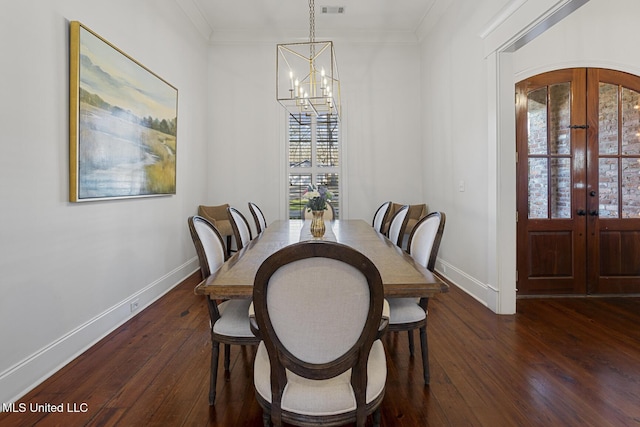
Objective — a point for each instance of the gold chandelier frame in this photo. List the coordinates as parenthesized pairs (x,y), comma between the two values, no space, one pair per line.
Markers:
(307,78)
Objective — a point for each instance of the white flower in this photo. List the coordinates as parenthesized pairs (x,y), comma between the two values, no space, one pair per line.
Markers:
(311,194)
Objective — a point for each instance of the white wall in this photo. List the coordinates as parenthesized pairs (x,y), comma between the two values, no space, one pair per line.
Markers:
(380,127)
(455,146)
(596,35)
(68,271)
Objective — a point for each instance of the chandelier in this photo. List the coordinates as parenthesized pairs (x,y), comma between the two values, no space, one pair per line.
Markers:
(307,79)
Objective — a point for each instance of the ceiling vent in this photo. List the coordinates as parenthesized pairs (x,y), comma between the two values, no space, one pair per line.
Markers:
(333,9)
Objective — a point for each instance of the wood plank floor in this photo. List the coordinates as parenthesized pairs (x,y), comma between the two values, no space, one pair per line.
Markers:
(557,362)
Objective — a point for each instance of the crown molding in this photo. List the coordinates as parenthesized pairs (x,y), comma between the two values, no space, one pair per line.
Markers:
(521,21)
(431,18)
(195,15)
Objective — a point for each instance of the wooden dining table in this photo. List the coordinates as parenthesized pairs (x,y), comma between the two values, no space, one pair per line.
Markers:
(401,275)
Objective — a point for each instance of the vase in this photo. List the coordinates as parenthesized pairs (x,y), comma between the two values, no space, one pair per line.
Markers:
(317,224)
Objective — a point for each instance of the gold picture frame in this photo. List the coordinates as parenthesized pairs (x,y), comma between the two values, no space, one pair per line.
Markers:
(122,123)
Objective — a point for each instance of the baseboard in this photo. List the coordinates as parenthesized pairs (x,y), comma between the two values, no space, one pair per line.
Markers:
(470,285)
(21,378)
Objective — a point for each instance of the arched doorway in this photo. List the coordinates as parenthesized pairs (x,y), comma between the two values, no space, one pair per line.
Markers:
(578,183)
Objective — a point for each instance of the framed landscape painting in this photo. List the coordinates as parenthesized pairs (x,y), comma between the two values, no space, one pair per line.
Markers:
(122,123)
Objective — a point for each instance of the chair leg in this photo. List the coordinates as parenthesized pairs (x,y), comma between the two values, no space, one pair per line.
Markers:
(227,357)
(266,419)
(425,354)
(215,350)
(376,417)
(411,347)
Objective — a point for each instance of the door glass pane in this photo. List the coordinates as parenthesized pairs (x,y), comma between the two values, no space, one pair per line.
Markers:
(537,121)
(560,188)
(631,188)
(538,188)
(299,140)
(608,188)
(630,122)
(560,118)
(298,184)
(608,119)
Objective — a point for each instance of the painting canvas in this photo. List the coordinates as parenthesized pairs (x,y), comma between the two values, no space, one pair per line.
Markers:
(123,123)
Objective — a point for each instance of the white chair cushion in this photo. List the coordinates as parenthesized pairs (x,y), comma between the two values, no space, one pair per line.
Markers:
(405,310)
(234,319)
(379,216)
(423,238)
(396,224)
(213,247)
(321,397)
(241,223)
(330,302)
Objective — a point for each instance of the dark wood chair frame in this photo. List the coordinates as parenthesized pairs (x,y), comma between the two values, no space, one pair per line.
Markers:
(385,216)
(355,358)
(403,226)
(424,302)
(236,230)
(256,212)
(214,313)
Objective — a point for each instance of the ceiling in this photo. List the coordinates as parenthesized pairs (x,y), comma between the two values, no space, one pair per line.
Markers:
(220,19)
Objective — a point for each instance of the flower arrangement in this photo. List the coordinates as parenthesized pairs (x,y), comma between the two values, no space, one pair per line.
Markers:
(316,197)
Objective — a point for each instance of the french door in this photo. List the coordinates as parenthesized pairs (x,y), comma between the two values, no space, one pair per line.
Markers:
(578,182)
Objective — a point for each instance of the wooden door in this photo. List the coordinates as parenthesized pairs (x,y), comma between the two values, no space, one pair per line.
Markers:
(551,180)
(613,191)
(578,171)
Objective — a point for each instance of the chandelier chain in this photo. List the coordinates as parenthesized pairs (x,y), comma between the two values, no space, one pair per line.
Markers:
(312,21)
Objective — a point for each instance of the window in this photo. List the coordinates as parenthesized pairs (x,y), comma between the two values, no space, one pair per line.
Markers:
(314,158)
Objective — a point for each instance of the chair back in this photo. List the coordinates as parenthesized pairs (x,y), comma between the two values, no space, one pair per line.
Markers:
(398,225)
(329,213)
(258,217)
(380,217)
(318,305)
(425,238)
(240,226)
(208,243)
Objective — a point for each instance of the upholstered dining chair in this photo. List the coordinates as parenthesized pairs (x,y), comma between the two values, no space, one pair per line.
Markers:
(229,319)
(258,217)
(380,217)
(329,214)
(408,314)
(398,224)
(240,226)
(319,311)
(217,215)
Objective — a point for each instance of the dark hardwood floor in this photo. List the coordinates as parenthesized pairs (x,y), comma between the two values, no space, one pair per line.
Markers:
(557,362)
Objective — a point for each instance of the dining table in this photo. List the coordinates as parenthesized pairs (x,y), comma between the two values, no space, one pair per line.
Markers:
(401,275)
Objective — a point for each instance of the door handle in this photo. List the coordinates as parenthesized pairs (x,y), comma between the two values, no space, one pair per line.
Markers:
(581,212)
(593,213)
